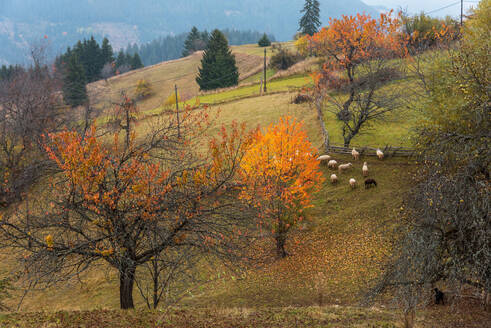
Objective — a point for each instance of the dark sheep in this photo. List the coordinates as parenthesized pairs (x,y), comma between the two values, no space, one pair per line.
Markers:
(369,183)
(439,296)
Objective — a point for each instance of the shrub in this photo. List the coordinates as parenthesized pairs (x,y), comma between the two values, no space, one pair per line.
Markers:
(171,100)
(301,98)
(283,59)
(143,89)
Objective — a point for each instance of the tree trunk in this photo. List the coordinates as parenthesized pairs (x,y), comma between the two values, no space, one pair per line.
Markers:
(126,282)
(280,245)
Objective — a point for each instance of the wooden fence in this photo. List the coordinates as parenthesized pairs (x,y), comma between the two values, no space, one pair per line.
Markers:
(388,151)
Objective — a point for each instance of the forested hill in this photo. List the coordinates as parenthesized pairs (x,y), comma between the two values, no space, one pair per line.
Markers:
(125,21)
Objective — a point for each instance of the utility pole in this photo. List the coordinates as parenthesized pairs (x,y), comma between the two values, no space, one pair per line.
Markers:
(177,113)
(265,89)
(461,11)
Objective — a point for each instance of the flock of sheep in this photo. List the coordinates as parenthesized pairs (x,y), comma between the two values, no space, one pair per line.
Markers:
(333,164)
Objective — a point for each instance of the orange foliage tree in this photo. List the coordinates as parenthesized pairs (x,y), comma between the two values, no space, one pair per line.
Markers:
(359,54)
(280,173)
(134,201)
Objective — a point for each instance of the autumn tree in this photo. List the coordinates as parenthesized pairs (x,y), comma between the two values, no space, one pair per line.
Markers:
(127,202)
(280,173)
(360,56)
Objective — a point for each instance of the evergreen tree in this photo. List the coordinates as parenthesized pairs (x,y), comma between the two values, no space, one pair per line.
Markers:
(192,42)
(264,41)
(310,21)
(107,52)
(121,60)
(136,62)
(74,82)
(218,68)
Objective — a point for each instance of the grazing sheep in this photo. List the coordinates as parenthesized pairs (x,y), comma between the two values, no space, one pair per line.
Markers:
(369,183)
(334,178)
(332,164)
(355,154)
(324,159)
(344,167)
(380,154)
(365,169)
(352,183)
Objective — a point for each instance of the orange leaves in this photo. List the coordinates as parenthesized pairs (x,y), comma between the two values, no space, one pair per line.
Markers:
(351,40)
(100,178)
(279,171)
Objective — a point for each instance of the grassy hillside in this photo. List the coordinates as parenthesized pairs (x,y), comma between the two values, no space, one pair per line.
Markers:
(334,255)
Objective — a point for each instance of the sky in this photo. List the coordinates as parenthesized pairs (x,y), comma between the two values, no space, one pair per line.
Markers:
(430,6)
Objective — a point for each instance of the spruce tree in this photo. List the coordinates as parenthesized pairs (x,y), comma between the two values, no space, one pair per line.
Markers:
(121,60)
(264,41)
(218,68)
(136,62)
(191,43)
(310,21)
(74,82)
(107,52)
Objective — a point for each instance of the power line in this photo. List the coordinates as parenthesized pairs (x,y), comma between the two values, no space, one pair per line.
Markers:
(444,7)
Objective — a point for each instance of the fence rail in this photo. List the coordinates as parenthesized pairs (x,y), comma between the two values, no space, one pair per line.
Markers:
(388,151)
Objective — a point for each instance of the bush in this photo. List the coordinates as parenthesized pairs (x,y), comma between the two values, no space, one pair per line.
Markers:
(170,102)
(301,98)
(423,29)
(143,89)
(264,41)
(283,59)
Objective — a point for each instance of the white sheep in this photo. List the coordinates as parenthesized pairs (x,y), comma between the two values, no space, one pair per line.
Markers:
(365,169)
(352,183)
(332,164)
(334,178)
(355,154)
(380,154)
(324,159)
(344,167)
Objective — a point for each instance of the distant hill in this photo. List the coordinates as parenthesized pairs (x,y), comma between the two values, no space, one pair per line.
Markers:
(124,21)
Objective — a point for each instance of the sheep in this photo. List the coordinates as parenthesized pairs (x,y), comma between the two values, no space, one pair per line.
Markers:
(344,167)
(334,178)
(355,154)
(380,154)
(365,169)
(324,159)
(332,164)
(369,183)
(352,183)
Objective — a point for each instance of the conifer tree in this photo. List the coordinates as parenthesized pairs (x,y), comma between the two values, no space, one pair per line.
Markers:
(264,41)
(121,60)
(218,68)
(310,21)
(74,82)
(195,41)
(107,52)
(136,62)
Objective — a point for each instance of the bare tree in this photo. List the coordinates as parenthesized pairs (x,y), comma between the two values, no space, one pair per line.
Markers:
(107,71)
(29,108)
